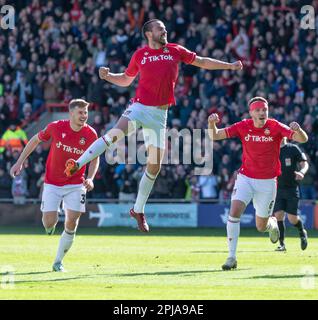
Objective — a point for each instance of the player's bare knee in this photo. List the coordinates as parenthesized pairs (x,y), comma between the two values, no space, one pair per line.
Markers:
(153,169)
(292,218)
(71,225)
(237,208)
(49,220)
(280,215)
(261,224)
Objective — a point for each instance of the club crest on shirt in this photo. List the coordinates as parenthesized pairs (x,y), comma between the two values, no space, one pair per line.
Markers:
(267,132)
(165,50)
(82,141)
(146,53)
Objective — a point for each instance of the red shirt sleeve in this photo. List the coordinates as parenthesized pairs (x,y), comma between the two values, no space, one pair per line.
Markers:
(132,68)
(285,131)
(46,133)
(233,130)
(186,55)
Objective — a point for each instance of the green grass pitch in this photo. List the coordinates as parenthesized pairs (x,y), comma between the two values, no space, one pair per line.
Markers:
(124,264)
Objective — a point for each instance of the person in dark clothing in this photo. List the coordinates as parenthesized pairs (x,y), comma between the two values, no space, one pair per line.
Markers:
(294,166)
(163,185)
(5,184)
(179,188)
(128,184)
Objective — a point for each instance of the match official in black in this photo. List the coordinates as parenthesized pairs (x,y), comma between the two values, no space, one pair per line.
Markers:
(294,167)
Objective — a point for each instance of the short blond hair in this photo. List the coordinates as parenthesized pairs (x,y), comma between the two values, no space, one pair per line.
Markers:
(80,103)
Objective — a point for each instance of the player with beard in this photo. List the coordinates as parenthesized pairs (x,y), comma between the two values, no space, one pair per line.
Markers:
(157,67)
(257,178)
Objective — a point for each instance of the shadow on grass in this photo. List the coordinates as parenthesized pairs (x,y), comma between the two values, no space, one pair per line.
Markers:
(155,232)
(159,273)
(53,280)
(24,273)
(289,276)
(171,273)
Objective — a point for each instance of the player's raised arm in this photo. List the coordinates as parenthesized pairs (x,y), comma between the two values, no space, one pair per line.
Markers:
(213,131)
(299,134)
(212,64)
(119,79)
(28,149)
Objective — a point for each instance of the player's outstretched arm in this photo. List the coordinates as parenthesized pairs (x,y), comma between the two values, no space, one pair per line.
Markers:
(212,64)
(213,131)
(119,79)
(92,169)
(299,134)
(28,149)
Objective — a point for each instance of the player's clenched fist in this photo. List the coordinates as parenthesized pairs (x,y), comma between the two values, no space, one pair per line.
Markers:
(103,72)
(237,65)
(294,126)
(16,169)
(89,184)
(214,118)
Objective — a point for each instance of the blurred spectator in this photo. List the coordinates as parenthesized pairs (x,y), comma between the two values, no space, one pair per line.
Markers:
(163,185)
(5,184)
(23,90)
(193,191)
(128,184)
(99,186)
(4,114)
(307,185)
(19,188)
(51,90)
(14,138)
(26,113)
(34,179)
(208,187)
(179,186)
(98,124)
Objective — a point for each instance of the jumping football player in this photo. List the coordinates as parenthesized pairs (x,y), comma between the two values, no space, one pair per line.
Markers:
(157,67)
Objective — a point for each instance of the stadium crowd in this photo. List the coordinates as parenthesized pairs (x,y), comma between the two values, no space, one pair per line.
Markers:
(54,52)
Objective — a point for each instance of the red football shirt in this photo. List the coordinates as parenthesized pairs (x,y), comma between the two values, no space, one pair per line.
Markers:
(66,143)
(261,147)
(158,71)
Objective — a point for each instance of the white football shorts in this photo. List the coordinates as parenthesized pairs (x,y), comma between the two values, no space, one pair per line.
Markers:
(73,197)
(152,120)
(261,191)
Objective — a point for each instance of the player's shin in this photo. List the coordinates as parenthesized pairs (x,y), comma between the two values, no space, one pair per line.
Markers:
(145,186)
(233,232)
(66,241)
(96,149)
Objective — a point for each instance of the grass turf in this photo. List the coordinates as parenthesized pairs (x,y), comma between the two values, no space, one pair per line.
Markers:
(178,264)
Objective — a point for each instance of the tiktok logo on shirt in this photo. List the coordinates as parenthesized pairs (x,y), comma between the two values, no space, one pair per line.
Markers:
(69,149)
(161,57)
(258,138)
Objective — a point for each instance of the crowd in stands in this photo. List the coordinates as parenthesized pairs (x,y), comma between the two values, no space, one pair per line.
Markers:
(54,52)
